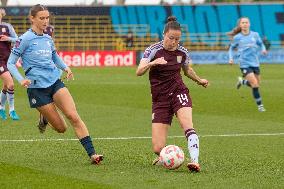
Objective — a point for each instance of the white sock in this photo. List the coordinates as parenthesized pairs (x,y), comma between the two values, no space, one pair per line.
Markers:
(3,99)
(10,98)
(193,144)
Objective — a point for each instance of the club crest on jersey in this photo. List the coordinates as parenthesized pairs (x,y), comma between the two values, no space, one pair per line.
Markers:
(179,59)
(34,101)
(3,30)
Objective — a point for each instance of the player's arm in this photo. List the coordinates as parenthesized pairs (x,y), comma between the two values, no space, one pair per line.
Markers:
(190,73)
(145,65)
(16,52)
(13,36)
(259,42)
(59,62)
(61,65)
(11,65)
(232,46)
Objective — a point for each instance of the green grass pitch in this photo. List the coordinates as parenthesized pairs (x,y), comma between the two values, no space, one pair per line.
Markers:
(114,103)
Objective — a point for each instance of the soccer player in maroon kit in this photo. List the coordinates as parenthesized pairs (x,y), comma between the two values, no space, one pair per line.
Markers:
(169,93)
(7,36)
(49,30)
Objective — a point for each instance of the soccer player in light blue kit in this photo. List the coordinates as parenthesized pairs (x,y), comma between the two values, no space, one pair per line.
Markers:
(248,44)
(7,36)
(46,92)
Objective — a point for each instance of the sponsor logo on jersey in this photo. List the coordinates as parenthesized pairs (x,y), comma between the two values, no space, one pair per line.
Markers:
(3,30)
(179,59)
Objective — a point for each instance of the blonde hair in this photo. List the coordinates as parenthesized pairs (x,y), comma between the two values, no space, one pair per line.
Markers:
(236,29)
(3,12)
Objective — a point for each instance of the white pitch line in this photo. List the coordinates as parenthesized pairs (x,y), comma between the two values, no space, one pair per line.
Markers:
(133,138)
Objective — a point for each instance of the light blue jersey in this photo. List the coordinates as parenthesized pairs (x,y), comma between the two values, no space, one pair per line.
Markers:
(248,48)
(40,60)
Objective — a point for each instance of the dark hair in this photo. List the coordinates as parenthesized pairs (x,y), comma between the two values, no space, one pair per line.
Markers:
(236,29)
(172,24)
(36,8)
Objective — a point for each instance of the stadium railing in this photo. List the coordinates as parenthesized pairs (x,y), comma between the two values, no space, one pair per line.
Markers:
(73,33)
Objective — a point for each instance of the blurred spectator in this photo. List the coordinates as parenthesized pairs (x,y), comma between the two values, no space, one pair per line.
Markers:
(96,3)
(266,43)
(129,40)
(178,2)
(120,2)
(119,44)
(4,3)
(162,2)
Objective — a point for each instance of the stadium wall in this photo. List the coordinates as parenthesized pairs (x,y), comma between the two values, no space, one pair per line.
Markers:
(267,19)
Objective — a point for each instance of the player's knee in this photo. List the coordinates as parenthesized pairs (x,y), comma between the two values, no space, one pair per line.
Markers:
(10,86)
(254,85)
(61,129)
(73,117)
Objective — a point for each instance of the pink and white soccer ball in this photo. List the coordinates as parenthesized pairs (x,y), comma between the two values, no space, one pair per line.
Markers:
(172,157)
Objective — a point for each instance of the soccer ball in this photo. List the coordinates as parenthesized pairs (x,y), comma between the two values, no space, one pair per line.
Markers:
(172,157)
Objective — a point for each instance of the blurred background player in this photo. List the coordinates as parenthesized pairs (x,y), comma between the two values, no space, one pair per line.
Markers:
(129,40)
(248,43)
(49,30)
(169,93)
(7,36)
(266,43)
(46,92)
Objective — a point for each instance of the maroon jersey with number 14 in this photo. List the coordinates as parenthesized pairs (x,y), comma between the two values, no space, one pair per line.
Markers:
(166,79)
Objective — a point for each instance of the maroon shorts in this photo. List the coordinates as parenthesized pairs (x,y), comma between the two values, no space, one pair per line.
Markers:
(163,111)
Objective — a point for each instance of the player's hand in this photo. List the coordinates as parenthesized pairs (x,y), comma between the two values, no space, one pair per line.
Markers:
(25,83)
(231,61)
(203,82)
(160,61)
(264,52)
(4,38)
(69,74)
